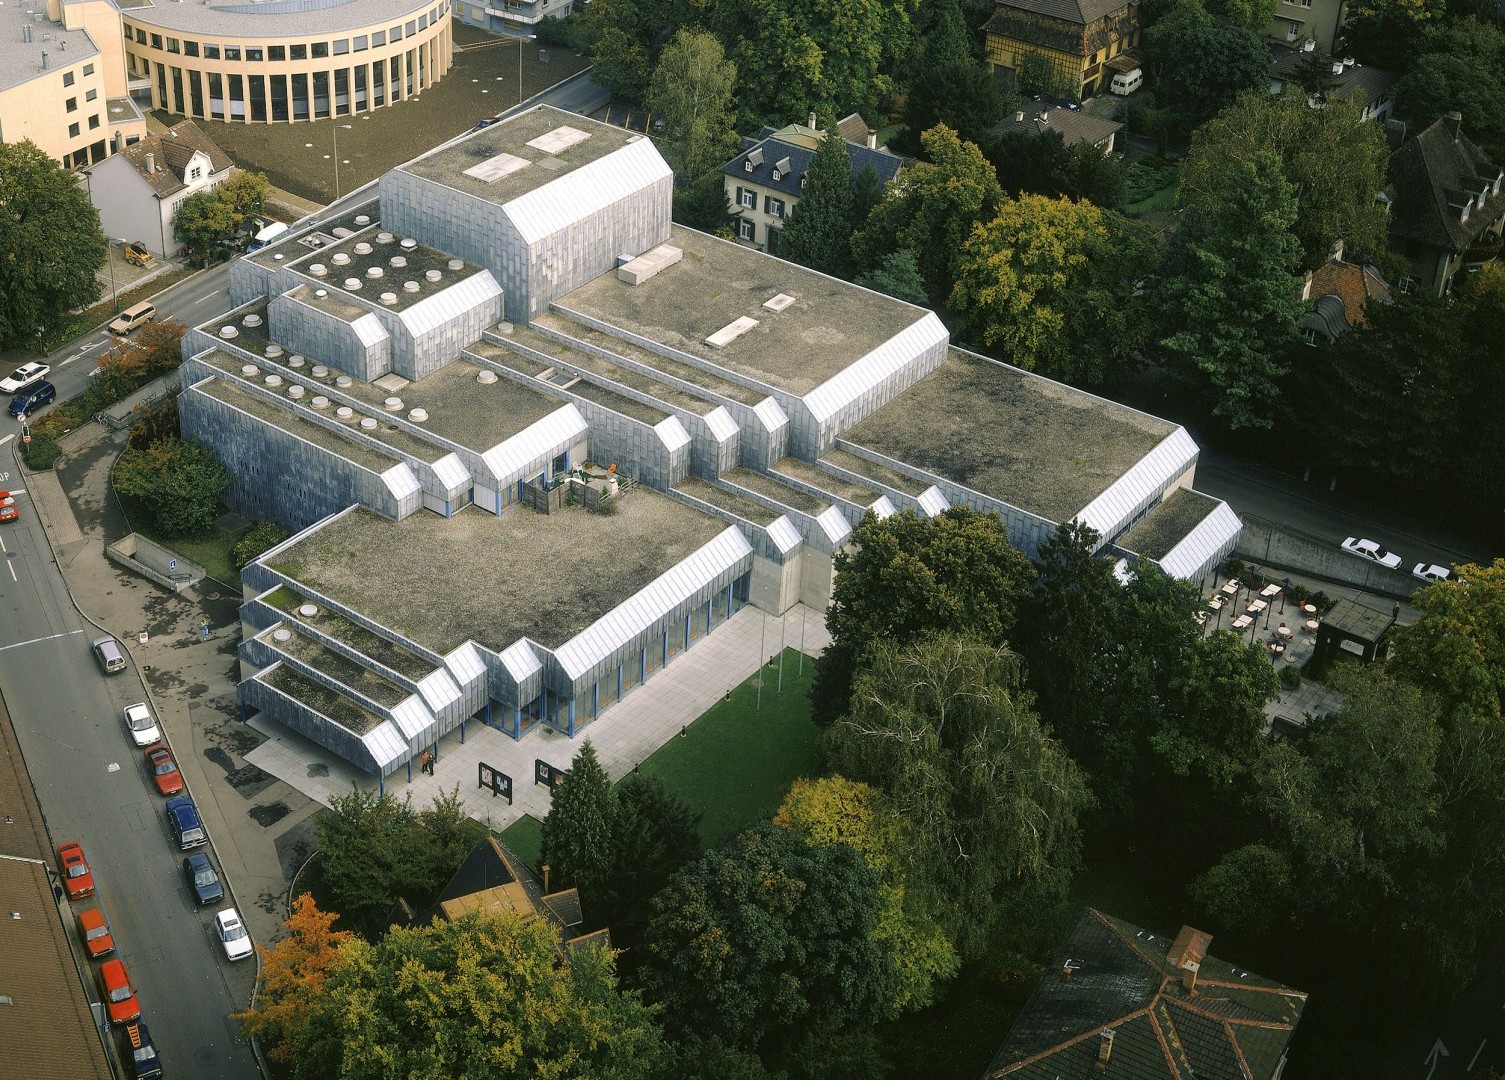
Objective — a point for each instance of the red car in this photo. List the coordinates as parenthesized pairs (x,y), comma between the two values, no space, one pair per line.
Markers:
(120,997)
(164,769)
(8,511)
(77,877)
(95,931)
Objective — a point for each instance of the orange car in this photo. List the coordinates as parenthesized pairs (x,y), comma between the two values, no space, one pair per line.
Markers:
(164,769)
(8,511)
(77,877)
(95,931)
(120,997)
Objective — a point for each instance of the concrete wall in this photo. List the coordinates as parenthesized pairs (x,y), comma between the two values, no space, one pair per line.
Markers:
(361,349)
(1268,544)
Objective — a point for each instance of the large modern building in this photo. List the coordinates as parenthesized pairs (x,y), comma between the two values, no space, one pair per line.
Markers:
(537,441)
(77,73)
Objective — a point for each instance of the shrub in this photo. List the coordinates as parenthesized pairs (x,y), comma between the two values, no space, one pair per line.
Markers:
(1290,677)
(566,33)
(42,452)
(262,536)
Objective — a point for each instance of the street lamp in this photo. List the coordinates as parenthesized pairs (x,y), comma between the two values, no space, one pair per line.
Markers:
(110,258)
(337,159)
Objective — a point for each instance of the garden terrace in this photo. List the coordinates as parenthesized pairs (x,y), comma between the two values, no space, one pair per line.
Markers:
(769,488)
(384,652)
(729,501)
(879,474)
(1153,535)
(342,669)
(322,700)
(288,420)
(399,261)
(838,486)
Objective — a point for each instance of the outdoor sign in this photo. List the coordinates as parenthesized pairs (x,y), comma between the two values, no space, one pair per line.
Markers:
(546,774)
(499,782)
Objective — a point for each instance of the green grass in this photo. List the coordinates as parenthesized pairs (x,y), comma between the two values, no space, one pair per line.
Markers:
(524,838)
(735,763)
(1150,185)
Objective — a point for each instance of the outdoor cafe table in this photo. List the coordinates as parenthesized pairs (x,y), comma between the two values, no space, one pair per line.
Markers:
(1310,609)
(1311,624)
(1269,591)
(1242,621)
(1231,588)
(1256,606)
(1283,630)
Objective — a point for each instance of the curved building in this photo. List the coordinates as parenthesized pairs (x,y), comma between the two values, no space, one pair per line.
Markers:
(283,60)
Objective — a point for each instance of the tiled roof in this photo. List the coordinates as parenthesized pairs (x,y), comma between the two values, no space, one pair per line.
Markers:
(1347,289)
(169,154)
(1081,12)
(1431,176)
(1075,127)
(1113,977)
(769,150)
(1358,83)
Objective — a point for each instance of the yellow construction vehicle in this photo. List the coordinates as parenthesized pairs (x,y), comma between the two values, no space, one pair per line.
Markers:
(136,254)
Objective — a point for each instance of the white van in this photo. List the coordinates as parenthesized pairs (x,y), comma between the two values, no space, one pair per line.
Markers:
(1126,82)
(266,236)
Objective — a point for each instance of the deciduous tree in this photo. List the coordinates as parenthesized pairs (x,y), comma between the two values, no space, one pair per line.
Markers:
(51,246)
(206,222)
(691,91)
(292,977)
(899,276)
(1208,69)
(179,482)
(1461,69)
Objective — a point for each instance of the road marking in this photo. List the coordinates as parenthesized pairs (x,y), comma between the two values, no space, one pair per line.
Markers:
(1474,1060)
(8,438)
(34,641)
(12,568)
(81,352)
(1437,1052)
(13,491)
(209,297)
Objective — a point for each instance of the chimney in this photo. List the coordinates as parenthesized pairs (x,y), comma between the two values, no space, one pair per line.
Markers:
(151,163)
(1306,287)
(44,60)
(1186,955)
(1104,1050)
(1189,976)
(812,118)
(872,139)
(1453,121)
(1019,117)
(1335,253)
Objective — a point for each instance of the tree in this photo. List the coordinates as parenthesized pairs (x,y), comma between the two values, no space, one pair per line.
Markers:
(472,999)
(1229,295)
(1457,648)
(943,727)
(835,810)
(1166,33)
(292,978)
(1052,284)
(818,233)
(1389,33)
(948,84)
(1040,163)
(931,209)
(703,205)
(905,576)
(1461,69)
(207,222)
(653,834)
(132,363)
(691,92)
(179,482)
(620,63)
(1210,67)
(1332,162)
(1251,15)
(51,245)
(766,936)
(577,830)
(260,538)
(898,276)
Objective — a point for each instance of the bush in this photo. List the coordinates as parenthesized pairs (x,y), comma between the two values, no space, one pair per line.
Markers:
(42,452)
(179,482)
(566,33)
(260,537)
(1290,677)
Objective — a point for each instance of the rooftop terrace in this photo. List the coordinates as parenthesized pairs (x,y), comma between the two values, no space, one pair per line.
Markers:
(1035,444)
(529,166)
(383,268)
(484,576)
(291,422)
(829,326)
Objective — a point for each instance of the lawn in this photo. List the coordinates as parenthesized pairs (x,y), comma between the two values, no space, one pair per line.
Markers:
(1150,185)
(524,838)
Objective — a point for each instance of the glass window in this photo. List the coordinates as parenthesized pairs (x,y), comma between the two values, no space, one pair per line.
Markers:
(88,69)
(378,38)
(93,122)
(91,95)
(279,97)
(321,50)
(277,52)
(73,131)
(140,36)
(360,43)
(297,52)
(156,41)
(411,27)
(254,53)
(341,46)
(395,33)
(211,52)
(232,52)
(256,84)
(73,104)
(745,228)
(190,48)
(423,22)
(67,78)
(172,45)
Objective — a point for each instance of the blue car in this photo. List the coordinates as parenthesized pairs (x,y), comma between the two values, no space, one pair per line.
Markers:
(32,398)
(136,1041)
(198,871)
(183,820)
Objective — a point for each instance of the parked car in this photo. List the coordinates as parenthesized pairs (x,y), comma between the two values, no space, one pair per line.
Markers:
(120,997)
(201,878)
(132,317)
(183,820)
(94,928)
(108,655)
(139,722)
(78,879)
(1368,549)
(23,377)
(31,399)
(233,934)
(138,1048)
(165,772)
(8,510)
(1431,572)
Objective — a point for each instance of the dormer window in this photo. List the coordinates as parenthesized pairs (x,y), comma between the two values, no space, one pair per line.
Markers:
(754,159)
(747,166)
(1463,217)
(803,178)
(776,174)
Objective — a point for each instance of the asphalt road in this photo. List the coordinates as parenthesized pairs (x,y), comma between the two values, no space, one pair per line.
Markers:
(90,781)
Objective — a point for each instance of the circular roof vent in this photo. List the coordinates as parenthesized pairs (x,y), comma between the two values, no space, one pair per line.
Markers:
(486,375)
(345,413)
(408,243)
(456,264)
(296,391)
(318,371)
(252,319)
(277,256)
(399,261)
(389,298)
(418,416)
(363,219)
(273,380)
(250,371)
(281,634)
(228,332)
(363,248)
(319,401)
(318,269)
(393,404)
(271,352)
(353,283)
(432,275)
(410,286)
(343,380)
(369,423)
(321,292)
(296,360)
(308,611)
(385,237)
(340,259)
(374,272)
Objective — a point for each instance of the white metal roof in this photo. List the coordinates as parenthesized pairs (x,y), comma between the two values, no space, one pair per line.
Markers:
(834,524)
(516,458)
(385,744)
(368,329)
(933,501)
(438,690)
(521,661)
(785,537)
(446,305)
(451,472)
(587,190)
(882,507)
(672,433)
(720,424)
(1144,482)
(1210,539)
(651,603)
(893,355)
(466,664)
(412,717)
(771,413)
(400,480)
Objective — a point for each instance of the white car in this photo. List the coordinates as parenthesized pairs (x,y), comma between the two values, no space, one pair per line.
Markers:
(233,934)
(1368,549)
(1431,572)
(23,377)
(139,722)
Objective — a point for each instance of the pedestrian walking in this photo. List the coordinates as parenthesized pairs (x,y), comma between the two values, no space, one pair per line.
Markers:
(203,627)
(426,763)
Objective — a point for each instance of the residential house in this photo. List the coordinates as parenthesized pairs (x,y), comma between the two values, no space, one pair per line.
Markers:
(765,179)
(1319,21)
(1074,126)
(1122,1003)
(1370,88)
(1339,292)
(1446,206)
(138,191)
(1074,38)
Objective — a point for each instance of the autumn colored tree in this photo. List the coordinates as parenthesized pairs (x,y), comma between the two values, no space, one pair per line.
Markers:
(179,482)
(292,978)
